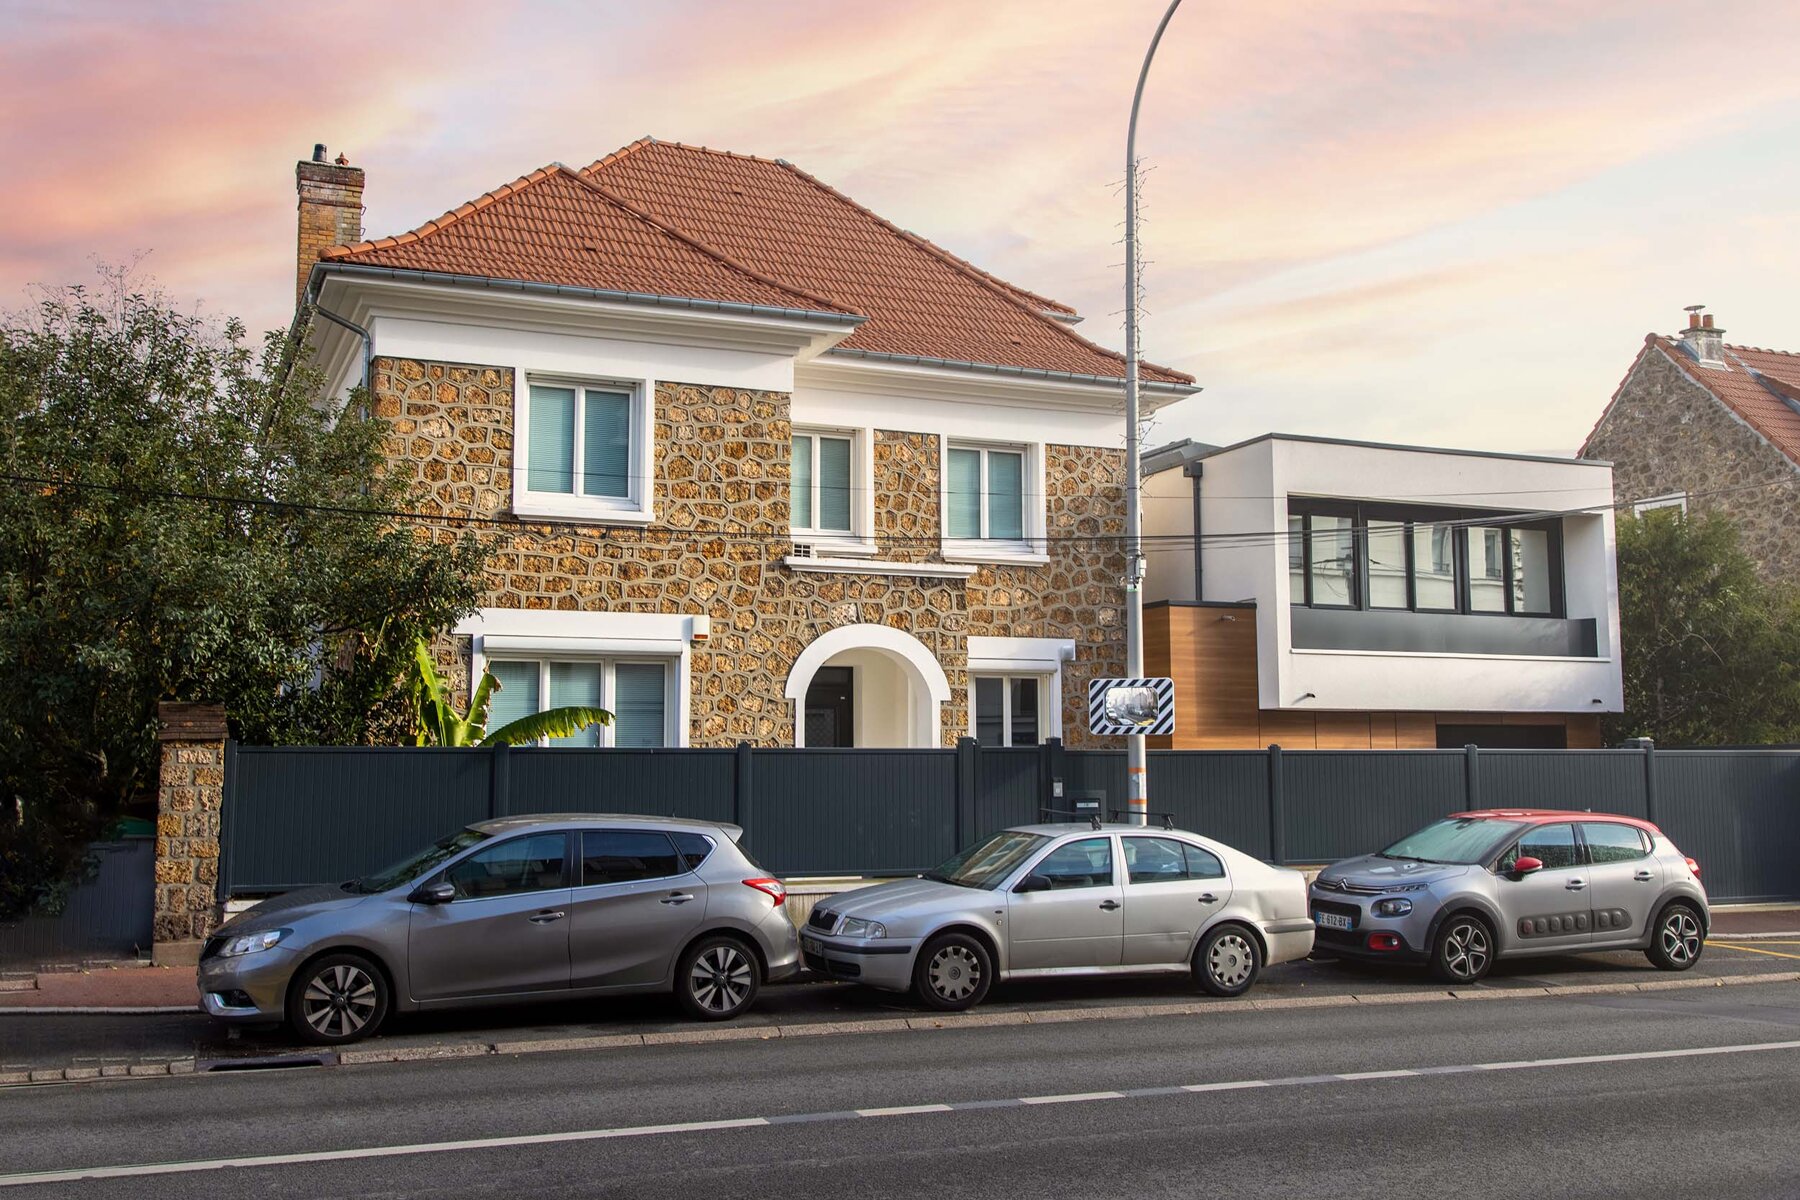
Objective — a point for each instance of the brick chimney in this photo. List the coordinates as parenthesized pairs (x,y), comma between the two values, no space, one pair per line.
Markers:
(330,210)
(1702,340)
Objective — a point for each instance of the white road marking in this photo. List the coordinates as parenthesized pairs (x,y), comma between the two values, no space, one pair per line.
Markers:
(135,1170)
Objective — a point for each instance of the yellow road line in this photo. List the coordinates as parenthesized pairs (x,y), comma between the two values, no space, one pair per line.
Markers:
(1757,950)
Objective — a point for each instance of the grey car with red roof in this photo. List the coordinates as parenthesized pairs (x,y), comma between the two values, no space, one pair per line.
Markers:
(1502,883)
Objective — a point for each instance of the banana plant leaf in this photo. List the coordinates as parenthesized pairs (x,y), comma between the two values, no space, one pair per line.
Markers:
(551,723)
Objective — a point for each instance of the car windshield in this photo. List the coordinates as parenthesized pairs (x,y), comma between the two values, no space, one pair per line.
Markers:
(414,865)
(988,861)
(1456,840)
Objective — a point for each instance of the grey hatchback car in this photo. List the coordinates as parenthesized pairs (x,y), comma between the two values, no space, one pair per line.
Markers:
(1501,883)
(519,909)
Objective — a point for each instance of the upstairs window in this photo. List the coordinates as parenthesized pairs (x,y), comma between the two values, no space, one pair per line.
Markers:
(579,441)
(984,494)
(821,483)
(1344,554)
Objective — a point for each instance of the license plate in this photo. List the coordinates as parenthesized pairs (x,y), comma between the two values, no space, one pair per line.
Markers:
(810,946)
(1331,920)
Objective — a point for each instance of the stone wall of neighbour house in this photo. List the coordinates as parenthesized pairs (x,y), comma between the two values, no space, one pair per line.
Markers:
(1666,433)
(190,792)
(722,460)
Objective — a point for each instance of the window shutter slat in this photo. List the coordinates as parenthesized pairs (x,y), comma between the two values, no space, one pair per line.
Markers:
(576,684)
(1006,496)
(801,484)
(518,694)
(551,428)
(606,458)
(963,494)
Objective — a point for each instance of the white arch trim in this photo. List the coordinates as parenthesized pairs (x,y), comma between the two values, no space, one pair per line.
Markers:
(931,686)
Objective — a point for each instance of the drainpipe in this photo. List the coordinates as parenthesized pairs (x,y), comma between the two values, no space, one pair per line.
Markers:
(368,343)
(1194,471)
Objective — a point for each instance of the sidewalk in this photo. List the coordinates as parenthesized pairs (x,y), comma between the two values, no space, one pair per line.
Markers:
(114,989)
(1756,920)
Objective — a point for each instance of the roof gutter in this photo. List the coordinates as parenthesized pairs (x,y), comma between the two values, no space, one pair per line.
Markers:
(918,360)
(312,304)
(526,287)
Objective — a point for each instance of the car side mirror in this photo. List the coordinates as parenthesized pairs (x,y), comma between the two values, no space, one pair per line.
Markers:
(1033,883)
(1527,865)
(433,893)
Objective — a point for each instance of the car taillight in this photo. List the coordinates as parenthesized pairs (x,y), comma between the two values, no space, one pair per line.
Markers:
(1692,866)
(773,888)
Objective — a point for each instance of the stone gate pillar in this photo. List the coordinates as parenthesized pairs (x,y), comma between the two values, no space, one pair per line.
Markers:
(191,790)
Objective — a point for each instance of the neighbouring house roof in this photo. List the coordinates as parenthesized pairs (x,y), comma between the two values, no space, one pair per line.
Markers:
(665,219)
(555,227)
(1761,387)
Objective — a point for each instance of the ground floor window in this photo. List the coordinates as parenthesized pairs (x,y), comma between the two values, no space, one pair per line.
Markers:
(1007,710)
(635,692)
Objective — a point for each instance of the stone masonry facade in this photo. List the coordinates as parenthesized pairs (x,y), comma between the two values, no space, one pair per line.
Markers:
(1666,433)
(722,529)
(191,790)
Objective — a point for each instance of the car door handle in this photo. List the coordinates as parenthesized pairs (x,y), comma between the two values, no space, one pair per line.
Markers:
(547,916)
(1643,877)
(1575,885)
(1109,905)
(678,897)
(1209,898)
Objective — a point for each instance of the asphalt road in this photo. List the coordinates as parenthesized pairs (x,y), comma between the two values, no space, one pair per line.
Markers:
(57,1041)
(1681,1093)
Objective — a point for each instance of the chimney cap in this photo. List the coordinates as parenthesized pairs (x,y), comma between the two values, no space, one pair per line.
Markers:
(318,152)
(342,160)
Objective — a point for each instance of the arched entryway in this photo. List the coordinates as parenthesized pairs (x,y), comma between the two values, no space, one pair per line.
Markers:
(868,686)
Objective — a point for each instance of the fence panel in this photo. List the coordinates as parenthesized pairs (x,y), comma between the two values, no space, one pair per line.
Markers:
(1337,803)
(1602,780)
(700,784)
(303,815)
(107,914)
(1222,794)
(1736,813)
(1098,773)
(1007,789)
(851,812)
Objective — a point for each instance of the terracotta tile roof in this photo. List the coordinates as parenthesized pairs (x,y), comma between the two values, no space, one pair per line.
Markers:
(921,300)
(553,226)
(1760,386)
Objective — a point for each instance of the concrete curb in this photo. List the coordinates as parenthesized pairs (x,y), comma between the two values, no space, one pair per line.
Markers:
(154,1010)
(708,1035)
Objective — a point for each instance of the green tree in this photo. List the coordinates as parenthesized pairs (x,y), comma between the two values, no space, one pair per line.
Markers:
(185,517)
(1711,651)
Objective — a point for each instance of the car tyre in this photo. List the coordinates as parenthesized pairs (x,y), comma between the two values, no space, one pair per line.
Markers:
(717,978)
(1227,961)
(336,999)
(1678,939)
(1464,949)
(953,972)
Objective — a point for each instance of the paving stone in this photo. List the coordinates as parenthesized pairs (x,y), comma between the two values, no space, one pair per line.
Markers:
(415,1053)
(547,1045)
(75,1073)
(137,1069)
(46,1075)
(826,1028)
(729,1033)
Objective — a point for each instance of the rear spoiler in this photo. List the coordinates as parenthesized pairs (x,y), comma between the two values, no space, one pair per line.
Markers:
(734,832)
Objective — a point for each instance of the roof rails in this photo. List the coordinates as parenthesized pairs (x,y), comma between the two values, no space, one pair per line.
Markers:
(1091,818)
(1120,814)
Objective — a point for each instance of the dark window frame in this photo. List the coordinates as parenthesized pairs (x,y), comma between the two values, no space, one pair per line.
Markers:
(1411,518)
(570,846)
(581,836)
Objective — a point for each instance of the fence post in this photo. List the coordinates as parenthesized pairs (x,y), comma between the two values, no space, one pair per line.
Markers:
(1472,776)
(1277,819)
(500,781)
(227,795)
(1649,749)
(968,771)
(1050,775)
(742,798)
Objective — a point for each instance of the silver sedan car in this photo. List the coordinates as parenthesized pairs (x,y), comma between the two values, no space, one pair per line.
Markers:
(518,909)
(1048,900)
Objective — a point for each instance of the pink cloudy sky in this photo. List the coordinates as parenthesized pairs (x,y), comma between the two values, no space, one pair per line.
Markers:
(1443,221)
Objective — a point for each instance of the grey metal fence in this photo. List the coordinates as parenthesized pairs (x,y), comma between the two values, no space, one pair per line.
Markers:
(295,816)
(106,914)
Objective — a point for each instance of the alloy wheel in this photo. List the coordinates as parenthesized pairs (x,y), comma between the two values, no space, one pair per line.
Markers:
(721,979)
(339,1001)
(1466,950)
(1681,937)
(1230,960)
(954,972)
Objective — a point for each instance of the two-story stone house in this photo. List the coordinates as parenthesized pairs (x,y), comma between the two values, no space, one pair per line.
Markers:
(762,466)
(1708,427)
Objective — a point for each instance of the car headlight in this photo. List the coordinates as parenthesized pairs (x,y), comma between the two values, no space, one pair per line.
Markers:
(1392,908)
(856,927)
(251,943)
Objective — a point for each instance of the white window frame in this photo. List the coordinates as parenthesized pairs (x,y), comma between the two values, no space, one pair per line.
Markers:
(638,505)
(1669,500)
(859,540)
(1032,548)
(1046,684)
(608,686)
